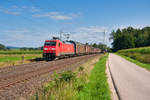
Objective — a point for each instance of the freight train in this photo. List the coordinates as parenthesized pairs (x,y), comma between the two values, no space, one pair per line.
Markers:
(55,48)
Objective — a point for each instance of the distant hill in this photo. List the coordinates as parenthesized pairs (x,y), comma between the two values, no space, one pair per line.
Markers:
(12,47)
(25,48)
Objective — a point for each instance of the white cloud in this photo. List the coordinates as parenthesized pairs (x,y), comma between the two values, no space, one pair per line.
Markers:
(92,29)
(56,15)
(24,37)
(32,38)
(61,17)
(34,9)
(8,11)
(16,10)
(31,9)
(17,31)
(91,34)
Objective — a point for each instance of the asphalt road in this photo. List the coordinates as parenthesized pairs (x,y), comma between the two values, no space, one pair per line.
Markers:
(132,82)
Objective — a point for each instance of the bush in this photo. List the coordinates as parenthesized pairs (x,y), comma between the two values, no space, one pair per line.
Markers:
(63,86)
(67,76)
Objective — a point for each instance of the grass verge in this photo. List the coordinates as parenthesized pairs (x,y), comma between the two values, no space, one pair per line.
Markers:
(97,88)
(146,66)
(78,85)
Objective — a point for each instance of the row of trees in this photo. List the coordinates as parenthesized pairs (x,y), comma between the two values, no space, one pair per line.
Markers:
(130,38)
(30,48)
(102,46)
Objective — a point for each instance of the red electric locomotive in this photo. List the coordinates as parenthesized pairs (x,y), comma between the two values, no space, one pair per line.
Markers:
(56,48)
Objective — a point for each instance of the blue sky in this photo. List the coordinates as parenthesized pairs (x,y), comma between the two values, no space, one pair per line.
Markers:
(30,22)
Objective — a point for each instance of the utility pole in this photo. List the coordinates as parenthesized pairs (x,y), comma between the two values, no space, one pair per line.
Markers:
(104,41)
(61,32)
(67,36)
(104,35)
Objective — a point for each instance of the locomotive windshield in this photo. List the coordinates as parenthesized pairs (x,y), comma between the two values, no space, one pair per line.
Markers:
(50,43)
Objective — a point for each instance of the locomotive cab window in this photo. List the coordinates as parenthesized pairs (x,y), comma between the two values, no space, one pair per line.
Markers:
(50,43)
(59,44)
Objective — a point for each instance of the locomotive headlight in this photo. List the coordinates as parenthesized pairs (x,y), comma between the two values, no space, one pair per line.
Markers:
(53,48)
(45,48)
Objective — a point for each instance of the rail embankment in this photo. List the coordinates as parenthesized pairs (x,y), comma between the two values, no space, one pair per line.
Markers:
(87,82)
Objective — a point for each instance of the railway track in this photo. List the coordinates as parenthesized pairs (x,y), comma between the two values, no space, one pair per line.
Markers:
(11,77)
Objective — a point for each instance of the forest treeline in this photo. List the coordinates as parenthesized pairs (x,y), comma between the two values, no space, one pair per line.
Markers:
(130,38)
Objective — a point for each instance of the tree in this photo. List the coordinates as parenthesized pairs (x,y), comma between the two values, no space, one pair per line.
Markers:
(95,45)
(130,38)
(102,46)
(2,47)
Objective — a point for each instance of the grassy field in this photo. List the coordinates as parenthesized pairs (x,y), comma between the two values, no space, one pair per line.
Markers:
(140,56)
(14,57)
(18,52)
(79,85)
(142,50)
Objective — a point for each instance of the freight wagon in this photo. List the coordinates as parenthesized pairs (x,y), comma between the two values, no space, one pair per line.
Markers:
(55,49)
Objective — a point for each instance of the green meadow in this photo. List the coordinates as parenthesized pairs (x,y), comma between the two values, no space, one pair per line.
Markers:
(139,56)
